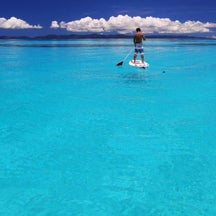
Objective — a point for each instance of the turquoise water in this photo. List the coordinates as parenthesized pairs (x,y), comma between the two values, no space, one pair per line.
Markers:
(80,136)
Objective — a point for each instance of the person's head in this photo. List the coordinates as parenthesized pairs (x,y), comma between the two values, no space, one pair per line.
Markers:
(138,30)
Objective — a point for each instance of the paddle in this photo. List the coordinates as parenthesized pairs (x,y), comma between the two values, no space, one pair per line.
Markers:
(121,62)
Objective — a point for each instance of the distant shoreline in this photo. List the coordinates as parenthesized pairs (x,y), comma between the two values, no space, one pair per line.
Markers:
(98,36)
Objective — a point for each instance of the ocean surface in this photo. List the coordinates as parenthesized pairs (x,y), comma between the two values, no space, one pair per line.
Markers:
(80,136)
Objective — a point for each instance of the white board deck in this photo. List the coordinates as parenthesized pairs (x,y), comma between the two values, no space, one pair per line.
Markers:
(138,63)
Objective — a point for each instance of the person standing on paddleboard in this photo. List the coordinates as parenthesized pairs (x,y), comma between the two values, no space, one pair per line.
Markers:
(138,46)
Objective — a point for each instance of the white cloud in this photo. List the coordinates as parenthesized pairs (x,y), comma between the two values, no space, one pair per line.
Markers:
(126,24)
(84,25)
(54,24)
(15,23)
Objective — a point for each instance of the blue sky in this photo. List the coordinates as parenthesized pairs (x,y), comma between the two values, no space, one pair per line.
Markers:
(92,16)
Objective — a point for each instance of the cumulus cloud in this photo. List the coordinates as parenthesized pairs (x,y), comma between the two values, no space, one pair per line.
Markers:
(126,24)
(15,23)
(83,25)
(54,24)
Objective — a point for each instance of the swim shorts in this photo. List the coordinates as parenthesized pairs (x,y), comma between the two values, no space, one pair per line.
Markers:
(138,48)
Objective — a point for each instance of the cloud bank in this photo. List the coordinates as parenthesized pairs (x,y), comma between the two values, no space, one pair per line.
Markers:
(15,23)
(122,24)
(126,24)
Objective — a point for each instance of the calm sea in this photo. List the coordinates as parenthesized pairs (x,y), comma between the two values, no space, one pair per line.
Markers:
(80,136)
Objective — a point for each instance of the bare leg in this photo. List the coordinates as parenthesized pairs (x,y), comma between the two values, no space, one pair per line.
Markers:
(135,56)
(142,57)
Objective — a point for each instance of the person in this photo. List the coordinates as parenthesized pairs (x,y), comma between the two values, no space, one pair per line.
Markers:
(138,45)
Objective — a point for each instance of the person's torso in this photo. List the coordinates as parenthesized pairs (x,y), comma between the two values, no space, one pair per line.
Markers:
(138,37)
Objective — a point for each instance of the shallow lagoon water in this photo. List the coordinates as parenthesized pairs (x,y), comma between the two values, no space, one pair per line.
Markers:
(82,136)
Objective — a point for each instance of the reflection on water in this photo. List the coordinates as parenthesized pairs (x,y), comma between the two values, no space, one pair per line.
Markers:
(139,76)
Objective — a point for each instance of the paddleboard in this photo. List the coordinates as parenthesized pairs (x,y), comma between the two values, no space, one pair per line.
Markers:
(138,63)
